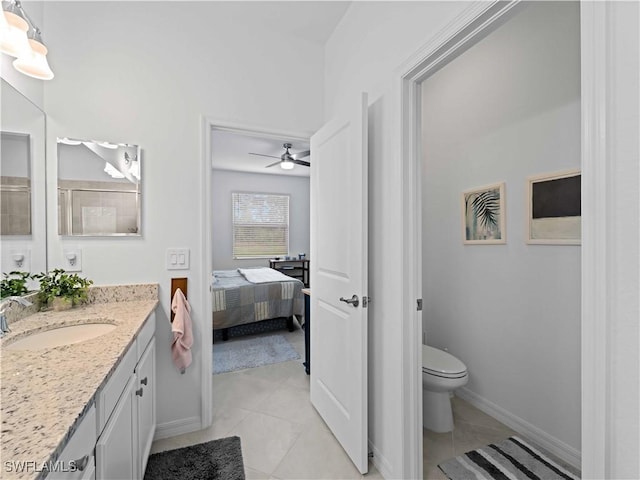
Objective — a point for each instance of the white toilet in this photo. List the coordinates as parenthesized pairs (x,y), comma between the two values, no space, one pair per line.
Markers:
(441,374)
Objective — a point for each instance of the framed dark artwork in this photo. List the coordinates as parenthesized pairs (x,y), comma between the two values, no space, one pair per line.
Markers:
(554,208)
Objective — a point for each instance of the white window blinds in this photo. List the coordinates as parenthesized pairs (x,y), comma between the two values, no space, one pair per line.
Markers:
(260,225)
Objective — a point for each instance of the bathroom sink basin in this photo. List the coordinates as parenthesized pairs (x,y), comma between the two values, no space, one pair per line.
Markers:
(57,337)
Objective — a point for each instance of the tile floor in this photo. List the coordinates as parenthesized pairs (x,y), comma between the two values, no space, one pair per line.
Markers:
(473,429)
(284,438)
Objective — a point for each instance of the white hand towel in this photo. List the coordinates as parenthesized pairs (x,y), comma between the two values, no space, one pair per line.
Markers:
(182,334)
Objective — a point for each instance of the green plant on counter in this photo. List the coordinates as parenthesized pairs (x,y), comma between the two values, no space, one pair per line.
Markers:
(58,288)
(14,284)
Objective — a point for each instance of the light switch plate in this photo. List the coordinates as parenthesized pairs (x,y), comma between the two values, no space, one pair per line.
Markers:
(178,259)
(72,259)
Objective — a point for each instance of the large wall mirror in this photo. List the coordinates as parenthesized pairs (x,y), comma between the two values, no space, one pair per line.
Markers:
(98,188)
(22,182)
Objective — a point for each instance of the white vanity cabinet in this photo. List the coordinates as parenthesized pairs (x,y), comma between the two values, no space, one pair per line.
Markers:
(77,462)
(146,404)
(127,411)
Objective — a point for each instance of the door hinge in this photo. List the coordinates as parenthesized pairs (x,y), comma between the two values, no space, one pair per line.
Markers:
(419,305)
(370,455)
(365,301)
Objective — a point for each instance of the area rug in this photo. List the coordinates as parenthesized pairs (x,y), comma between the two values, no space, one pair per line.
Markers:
(511,459)
(215,460)
(252,352)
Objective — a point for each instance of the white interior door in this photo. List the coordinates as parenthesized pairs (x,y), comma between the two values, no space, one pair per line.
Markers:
(338,273)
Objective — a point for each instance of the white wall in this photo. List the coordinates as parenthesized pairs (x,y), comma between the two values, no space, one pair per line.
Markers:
(224,182)
(144,73)
(506,109)
(364,53)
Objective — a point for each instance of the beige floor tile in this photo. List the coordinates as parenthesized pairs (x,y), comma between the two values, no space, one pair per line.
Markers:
(224,420)
(373,474)
(165,444)
(252,474)
(468,437)
(432,472)
(277,373)
(235,390)
(265,440)
(291,404)
(463,411)
(437,447)
(284,438)
(316,455)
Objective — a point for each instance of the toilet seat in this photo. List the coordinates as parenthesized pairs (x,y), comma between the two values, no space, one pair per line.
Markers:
(441,364)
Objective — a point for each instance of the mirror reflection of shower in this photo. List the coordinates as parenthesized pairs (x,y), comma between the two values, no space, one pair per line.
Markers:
(99,187)
(15,183)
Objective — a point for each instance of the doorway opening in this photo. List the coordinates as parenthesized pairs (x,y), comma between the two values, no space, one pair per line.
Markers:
(267,406)
(436,59)
(503,112)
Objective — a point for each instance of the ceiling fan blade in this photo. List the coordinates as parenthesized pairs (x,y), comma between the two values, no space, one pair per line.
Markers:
(302,162)
(262,155)
(274,164)
(299,155)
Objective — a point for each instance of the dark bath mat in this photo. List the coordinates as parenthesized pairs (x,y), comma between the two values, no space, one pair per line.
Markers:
(215,460)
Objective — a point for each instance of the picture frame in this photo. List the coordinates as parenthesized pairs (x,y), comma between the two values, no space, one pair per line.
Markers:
(483,215)
(554,208)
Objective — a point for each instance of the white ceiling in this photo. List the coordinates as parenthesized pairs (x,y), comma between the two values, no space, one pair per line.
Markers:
(231,151)
(313,21)
(310,20)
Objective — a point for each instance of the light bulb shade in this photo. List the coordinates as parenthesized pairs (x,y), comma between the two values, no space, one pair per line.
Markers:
(112,171)
(34,64)
(13,35)
(287,165)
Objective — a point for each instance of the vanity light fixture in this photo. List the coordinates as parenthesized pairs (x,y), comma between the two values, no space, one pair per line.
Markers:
(109,145)
(69,141)
(13,31)
(113,171)
(21,38)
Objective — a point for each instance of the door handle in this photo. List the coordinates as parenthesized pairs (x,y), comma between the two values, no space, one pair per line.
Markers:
(351,301)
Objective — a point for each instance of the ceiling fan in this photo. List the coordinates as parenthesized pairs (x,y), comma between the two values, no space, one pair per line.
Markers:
(287,160)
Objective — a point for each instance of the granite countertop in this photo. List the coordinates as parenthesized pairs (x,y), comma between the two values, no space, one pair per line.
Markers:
(45,393)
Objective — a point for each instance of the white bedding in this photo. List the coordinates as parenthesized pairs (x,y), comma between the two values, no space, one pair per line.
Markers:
(263,275)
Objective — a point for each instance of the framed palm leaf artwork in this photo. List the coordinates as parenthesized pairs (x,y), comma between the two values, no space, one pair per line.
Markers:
(483,215)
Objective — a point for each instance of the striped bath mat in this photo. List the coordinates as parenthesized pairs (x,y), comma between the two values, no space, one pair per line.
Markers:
(511,459)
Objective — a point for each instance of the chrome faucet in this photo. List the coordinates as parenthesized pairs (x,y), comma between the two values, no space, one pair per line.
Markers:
(4,326)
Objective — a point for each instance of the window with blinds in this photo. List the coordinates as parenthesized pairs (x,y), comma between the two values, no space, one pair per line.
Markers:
(260,225)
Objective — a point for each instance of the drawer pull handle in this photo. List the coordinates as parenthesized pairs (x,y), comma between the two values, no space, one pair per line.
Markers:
(81,463)
(144,381)
(139,392)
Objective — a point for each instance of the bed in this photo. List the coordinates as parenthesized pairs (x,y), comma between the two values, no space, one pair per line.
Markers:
(269,295)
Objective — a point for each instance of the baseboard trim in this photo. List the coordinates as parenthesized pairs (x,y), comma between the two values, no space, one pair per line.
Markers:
(557,447)
(380,462)
(177,427)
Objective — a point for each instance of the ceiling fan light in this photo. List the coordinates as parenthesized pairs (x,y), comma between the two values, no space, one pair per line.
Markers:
(34,64)
(13,34)
(286,165)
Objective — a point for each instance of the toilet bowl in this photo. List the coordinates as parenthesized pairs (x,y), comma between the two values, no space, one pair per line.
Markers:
(441,374)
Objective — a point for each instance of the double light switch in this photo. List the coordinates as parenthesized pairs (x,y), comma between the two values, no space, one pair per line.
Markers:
(178,259)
